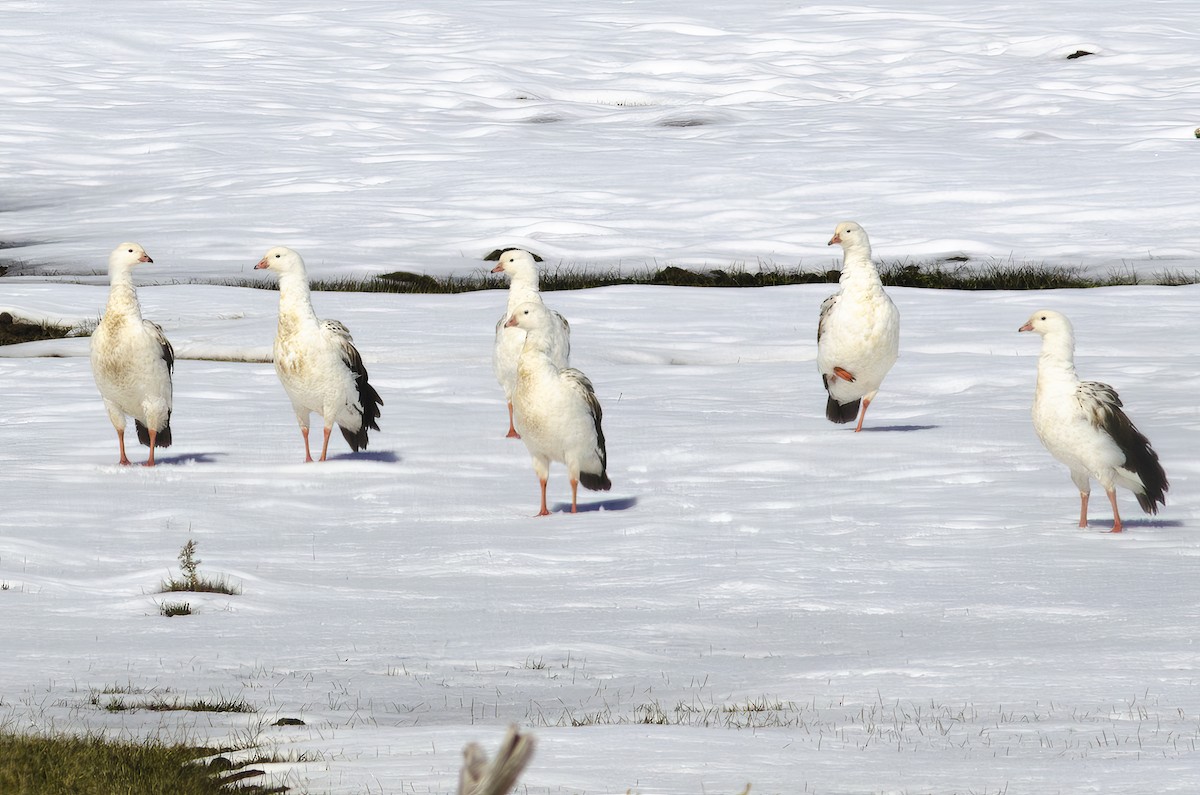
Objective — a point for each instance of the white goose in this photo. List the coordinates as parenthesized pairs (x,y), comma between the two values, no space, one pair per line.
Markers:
(555,408)
(131,359)
(1082,425)
(522,272)
(858,334)
(317,362)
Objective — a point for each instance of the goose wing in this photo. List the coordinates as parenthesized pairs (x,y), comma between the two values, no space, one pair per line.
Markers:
(826,307)
(581,385)
(156,333)
(1101,405)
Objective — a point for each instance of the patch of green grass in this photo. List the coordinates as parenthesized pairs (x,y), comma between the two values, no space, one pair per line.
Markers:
(163,705)
(993,276)
(14,330)
(91,765)
(951,274)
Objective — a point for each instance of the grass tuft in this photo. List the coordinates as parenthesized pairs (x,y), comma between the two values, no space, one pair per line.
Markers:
(192,581)
(92,765)
(131,699)
(994,276)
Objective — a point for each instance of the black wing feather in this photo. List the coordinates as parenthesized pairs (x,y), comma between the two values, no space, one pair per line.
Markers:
(592,480)
(1105,408)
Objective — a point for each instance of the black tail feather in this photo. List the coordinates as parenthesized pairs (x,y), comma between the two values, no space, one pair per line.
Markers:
(1139,458)
(371,401)
(841,412)
(163,439)
(1144,461)
(594,482)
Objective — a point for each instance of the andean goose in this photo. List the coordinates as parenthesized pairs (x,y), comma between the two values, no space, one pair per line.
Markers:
(555,408)
(522,272)
(131,359)
(317,362)
(1082,425)
(858,334)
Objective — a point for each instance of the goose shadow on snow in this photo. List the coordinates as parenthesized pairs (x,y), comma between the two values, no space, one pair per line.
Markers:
(619,504)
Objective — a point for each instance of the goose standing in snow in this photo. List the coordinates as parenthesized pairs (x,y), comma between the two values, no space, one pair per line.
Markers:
(522,272)
(1082,425)
(555,408)
(317,362)
(131,359)
(858,335)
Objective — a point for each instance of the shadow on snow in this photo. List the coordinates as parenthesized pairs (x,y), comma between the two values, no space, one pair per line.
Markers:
(382,456)
(622,504)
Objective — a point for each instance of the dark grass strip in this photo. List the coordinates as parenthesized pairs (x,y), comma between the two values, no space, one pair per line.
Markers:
(63,765)
(14,330)
(946,275)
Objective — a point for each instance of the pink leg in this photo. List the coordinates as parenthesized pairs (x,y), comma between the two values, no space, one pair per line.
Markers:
(153,438)
(325,444)
(307,453)
(544,510)
(862,415)
(1083,501)
(1112,498)
(574,494)
(121,443)
(512,429)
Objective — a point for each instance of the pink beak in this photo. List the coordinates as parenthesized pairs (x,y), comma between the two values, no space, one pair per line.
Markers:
(1026,327)
(835,239)
(498,269)
(145,258)
(262,263)
(512,321)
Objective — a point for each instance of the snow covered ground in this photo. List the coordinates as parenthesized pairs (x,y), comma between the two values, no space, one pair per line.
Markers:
(909,609)
(374,136)
(764,598)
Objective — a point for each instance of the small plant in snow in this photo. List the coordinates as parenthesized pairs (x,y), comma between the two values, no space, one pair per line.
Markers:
(192,580)
(189,563)
(172,609)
